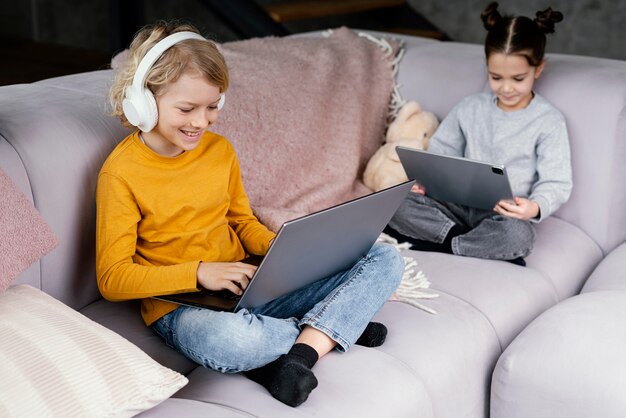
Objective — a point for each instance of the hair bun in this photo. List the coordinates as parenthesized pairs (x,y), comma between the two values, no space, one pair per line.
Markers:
(547,18)
(490,15)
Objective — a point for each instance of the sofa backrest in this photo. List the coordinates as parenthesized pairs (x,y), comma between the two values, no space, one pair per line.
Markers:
(54,137)
(590,92)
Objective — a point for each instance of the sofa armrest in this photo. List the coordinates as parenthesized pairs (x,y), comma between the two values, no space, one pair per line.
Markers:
(569,362)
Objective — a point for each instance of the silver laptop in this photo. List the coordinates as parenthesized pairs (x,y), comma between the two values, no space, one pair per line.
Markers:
(308,249)
(455,179)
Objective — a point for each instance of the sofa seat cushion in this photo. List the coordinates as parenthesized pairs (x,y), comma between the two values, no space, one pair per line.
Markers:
(187,408)
(417,372)
(569,362)
(123,318)
(564,254)
(510,296)
(361,383)
(507,295)
(610,273)
(452,352)
(426,356)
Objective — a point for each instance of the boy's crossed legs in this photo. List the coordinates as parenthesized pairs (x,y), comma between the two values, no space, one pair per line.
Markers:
(278,343)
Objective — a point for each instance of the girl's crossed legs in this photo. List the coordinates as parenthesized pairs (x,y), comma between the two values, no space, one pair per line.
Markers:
(464,231)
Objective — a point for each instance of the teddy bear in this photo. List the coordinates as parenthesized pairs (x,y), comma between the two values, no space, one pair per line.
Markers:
(412,128)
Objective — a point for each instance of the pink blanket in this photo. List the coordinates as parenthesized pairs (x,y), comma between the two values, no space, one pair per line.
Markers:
(305,115)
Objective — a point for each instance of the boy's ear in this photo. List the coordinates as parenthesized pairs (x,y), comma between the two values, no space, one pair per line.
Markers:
(539,69)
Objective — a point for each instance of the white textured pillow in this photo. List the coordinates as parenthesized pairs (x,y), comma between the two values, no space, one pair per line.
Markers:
(56,362)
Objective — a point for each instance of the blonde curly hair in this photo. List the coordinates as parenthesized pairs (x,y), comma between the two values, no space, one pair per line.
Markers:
(188,55)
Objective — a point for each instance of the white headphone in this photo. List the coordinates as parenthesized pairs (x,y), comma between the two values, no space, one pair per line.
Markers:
(139,104)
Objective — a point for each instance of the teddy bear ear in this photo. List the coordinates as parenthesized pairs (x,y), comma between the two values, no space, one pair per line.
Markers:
(409,109)
(406,112)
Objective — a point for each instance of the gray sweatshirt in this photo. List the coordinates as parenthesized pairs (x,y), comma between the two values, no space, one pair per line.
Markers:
(531,143)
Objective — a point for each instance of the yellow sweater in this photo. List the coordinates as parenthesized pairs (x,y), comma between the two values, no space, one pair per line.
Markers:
(159,217)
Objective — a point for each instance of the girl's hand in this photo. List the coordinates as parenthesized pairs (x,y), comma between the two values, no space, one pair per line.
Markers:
(520,208)
(225,276)
(419,189)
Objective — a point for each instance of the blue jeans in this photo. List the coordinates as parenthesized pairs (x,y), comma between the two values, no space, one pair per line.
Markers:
(489,235)
(340,306)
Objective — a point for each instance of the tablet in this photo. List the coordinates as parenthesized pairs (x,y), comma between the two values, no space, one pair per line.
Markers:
(456,179)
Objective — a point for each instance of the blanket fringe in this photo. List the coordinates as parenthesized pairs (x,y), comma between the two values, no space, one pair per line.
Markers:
(413,283)
(396,101)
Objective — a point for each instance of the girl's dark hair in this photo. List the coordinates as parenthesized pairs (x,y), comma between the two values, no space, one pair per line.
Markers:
(518,35)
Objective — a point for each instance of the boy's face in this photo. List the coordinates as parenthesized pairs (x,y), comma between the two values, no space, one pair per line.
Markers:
(186,109)
(511,78)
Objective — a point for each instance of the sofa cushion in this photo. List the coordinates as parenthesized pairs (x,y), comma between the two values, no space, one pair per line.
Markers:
(61,133)
(56,362)
(610,273)
(588,89)
(25,236)
(452,353)
(438,75)
(416,373)
(353,384)
(564,254)
(508,295)
(188,408)
(123,318)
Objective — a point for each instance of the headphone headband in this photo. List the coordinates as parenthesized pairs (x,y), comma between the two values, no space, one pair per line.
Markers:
(156,51)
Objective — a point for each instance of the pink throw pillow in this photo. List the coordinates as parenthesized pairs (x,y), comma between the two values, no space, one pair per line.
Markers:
(25,236)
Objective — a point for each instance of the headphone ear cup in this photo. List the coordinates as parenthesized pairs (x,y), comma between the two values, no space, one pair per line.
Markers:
(152,113)
(131,106)
(220,104)
(140,108)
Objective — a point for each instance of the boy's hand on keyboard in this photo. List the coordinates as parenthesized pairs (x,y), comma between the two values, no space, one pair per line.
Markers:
(225,276)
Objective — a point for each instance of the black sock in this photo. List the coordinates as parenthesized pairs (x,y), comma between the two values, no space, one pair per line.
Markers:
(422,245)
(374,335)
(519,261)
(289,378)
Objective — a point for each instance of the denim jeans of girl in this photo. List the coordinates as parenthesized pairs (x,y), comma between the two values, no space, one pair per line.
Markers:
(340,306)
(489,235)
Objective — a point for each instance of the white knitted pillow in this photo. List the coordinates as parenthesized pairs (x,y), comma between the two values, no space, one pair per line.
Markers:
(56,362)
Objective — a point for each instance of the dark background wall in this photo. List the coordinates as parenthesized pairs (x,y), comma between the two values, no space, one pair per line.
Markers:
(591,27)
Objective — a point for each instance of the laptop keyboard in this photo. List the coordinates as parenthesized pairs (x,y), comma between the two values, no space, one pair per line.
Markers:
(225,294)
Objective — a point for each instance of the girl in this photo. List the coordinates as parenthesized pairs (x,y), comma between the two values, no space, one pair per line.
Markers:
(172,216)
(512,126)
